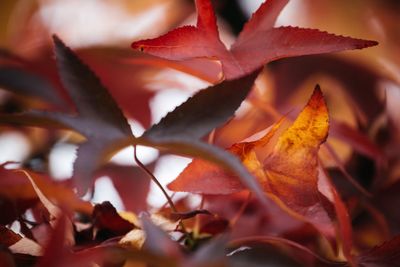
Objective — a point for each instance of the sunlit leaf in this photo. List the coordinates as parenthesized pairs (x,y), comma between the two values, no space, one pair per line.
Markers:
(258,44)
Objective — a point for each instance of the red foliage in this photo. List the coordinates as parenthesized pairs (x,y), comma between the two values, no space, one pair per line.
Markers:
(278,185)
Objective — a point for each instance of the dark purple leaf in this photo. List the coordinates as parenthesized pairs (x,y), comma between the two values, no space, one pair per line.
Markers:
(30,84)
(203,112)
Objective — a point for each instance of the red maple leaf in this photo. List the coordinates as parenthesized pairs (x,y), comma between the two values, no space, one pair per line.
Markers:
(257,44)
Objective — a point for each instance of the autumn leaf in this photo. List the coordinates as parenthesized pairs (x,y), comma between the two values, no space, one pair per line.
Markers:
(291,168)
(258,43)
(271,191)
(96,110)
(288,173)
(192,120)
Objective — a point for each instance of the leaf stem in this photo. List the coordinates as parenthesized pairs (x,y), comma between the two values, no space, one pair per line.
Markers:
(155,180)
(166,203)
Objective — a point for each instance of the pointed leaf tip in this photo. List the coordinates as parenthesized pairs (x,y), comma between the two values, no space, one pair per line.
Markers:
(96,110)
(368,43)
(258,44)
(56,39)
(191,120)
(317,99)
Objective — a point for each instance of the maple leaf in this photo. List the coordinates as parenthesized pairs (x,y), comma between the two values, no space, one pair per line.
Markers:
(192,120)
(257,44)
(96,109)
(288,171)
(99,119)
(292,167)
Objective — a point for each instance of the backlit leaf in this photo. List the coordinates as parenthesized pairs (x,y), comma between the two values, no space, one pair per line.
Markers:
(288,171)
(258,43)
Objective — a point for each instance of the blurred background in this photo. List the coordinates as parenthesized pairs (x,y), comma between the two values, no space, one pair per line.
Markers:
(362,87)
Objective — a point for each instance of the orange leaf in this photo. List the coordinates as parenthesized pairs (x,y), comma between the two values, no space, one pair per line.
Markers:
(205,177)
(287,167)
(292,167)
